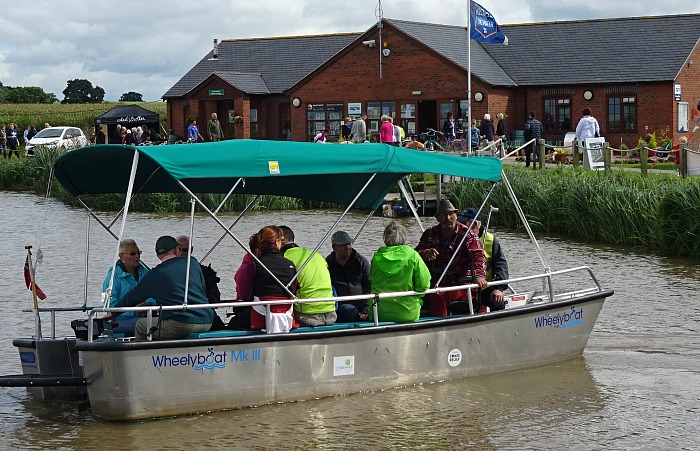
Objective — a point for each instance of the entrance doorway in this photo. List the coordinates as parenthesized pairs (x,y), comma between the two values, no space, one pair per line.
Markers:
(427,115)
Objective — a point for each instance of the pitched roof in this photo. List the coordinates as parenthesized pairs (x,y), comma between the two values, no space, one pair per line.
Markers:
(266,65)
(450,42)
(623,50)
(633,49)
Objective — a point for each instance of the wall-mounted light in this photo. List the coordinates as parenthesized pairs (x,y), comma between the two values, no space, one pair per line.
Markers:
(588,95)
(478,97)
(296,102)
(370,43)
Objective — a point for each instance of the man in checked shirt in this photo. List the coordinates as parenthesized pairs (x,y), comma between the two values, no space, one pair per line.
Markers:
(436,247)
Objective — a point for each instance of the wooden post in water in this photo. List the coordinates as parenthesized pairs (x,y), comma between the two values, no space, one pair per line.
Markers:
(574,152)
(643,157)
(684,160)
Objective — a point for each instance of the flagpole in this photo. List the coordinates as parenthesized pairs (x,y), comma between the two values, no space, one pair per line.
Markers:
(33,288)
(469,74)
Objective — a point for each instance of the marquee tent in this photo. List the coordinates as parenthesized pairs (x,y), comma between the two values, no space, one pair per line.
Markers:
(128,115)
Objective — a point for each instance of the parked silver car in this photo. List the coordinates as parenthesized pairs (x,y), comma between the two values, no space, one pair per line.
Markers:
(60,137)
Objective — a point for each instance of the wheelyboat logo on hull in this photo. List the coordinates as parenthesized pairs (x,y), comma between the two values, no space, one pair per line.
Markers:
(206,361)
(561,320)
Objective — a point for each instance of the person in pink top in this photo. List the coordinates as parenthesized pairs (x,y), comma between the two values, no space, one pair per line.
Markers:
(386,131)
(244,287)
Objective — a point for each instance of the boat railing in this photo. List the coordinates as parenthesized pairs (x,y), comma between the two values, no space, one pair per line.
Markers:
(375,298)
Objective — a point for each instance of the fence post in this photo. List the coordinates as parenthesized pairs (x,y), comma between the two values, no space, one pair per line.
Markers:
(574,152)
(607,155)
(540,156)
(684,160)
(643,156)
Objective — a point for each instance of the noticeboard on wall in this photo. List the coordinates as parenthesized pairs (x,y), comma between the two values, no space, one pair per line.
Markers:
(595,156)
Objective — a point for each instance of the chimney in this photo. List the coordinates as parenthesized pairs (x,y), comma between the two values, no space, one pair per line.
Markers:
(216,49)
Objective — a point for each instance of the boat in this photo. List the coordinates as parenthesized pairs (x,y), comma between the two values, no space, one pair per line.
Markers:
(219,370)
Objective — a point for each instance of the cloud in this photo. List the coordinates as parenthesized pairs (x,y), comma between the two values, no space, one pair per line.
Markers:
(147,46)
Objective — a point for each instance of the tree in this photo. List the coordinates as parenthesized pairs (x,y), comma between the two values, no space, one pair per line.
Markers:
(82,91)
(131,96)
(29,94)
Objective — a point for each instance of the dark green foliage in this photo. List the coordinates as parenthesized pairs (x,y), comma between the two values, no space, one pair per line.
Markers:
(82,91)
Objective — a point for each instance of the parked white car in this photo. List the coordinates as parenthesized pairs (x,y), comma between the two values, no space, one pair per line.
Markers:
(61,137)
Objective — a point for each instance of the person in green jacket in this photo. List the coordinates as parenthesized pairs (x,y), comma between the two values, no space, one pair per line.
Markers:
(314,282)
(397,267)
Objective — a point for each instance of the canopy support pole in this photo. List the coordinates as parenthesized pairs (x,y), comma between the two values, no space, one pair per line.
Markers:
(134,166)
(235,185)
(221,238)
(410,204)
(335,224)
(364,224)
(235,238)
(87,260)
(189,258)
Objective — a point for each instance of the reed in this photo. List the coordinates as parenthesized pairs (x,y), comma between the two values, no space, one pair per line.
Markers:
(618,207)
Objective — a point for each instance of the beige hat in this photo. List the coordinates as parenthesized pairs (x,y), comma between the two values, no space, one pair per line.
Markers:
(445,206)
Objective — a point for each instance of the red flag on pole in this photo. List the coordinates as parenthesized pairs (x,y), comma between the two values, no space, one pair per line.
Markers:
(28,280)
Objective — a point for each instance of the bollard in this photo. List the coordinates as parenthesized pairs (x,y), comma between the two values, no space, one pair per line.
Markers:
(574,152)
(607,156)
(643,157)
(684,160)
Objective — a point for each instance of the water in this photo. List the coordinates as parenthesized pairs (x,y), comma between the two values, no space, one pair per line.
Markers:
(637,385)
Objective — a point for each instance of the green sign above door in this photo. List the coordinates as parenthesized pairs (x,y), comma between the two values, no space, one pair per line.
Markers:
(216,92)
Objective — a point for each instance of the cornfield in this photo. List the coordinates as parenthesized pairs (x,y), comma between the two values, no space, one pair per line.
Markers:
(77,115)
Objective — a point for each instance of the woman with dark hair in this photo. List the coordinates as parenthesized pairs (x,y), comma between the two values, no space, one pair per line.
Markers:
(266,288)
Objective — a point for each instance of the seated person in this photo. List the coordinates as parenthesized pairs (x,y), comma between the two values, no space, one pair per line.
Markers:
(166,284)
(129,271)
(244,287)
(314,282)
(211,280)
(266,288)
(397,267)
(496,264)
(350,276)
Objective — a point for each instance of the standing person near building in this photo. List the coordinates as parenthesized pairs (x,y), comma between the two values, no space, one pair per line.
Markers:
(399,134)
(322,136)
(3,141)
(346,129)
(359,130)
(533,130)
(449,128)
(587,127)
(31,132)
(501,130)
(117,135)
(214,130)
(386,131)
(99,135)
(12,141)
(487,129)
(193,132)
(314,282)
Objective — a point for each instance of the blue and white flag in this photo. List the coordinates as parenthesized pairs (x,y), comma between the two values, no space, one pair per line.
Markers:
(483,26)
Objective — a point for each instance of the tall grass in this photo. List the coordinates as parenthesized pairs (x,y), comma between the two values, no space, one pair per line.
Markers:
(658,212)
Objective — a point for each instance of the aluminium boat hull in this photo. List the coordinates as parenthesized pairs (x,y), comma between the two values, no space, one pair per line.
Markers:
(137,380)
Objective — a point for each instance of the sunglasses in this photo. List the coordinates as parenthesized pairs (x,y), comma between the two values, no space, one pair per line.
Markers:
(132,254)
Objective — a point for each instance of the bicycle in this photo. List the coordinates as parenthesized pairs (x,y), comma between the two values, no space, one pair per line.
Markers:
(430,140)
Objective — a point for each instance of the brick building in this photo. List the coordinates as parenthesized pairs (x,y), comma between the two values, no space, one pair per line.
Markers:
(637,75)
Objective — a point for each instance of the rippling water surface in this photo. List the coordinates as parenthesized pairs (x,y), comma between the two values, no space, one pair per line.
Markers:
(637,385)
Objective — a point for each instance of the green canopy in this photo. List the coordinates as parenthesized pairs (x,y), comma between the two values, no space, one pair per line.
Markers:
(325,172)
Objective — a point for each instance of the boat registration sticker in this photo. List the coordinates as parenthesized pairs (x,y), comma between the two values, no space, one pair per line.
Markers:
(344,365)
(28,358)
(274,167)
(454,357)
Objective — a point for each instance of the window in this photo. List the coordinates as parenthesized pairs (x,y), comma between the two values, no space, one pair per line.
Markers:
(324,115)
(375,111)
(444,109)
(557,114)
(408,118)
(622,113)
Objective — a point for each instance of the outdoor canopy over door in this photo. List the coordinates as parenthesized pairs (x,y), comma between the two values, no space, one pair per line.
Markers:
(328,173)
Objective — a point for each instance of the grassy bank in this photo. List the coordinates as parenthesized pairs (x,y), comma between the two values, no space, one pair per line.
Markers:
(658,212)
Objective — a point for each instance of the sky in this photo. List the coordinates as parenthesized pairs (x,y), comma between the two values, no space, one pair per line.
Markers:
(147,46)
